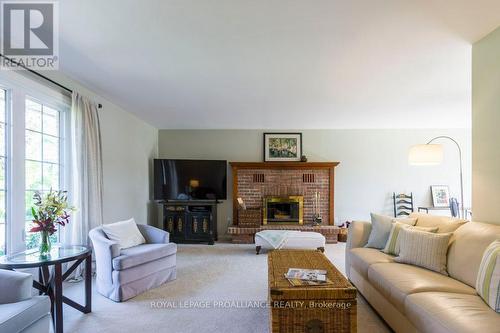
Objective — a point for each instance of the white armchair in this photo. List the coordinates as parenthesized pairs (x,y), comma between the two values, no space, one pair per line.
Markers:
(19,310)
(123,274)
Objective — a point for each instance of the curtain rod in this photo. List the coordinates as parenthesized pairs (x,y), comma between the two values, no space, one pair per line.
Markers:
(41,76)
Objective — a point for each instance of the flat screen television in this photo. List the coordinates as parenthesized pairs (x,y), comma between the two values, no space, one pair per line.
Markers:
(190,179)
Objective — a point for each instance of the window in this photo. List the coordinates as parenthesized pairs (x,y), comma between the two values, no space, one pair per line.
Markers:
(43,162)
(33,127)
(3,164)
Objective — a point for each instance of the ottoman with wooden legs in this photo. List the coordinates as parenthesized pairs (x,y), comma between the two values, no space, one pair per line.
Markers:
(287,239)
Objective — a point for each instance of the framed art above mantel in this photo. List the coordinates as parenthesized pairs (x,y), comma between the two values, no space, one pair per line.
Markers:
(282,147)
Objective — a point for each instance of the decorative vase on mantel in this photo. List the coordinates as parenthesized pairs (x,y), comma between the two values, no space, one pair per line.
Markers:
(45,244)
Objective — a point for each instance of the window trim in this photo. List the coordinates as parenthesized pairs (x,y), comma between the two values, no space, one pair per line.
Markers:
(7,167)
(18,88)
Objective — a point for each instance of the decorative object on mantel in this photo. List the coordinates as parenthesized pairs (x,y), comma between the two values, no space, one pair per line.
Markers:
(317,219)
(403,204)
(284,147)
(51,210)
(303,158)
(432,154)
(440,195)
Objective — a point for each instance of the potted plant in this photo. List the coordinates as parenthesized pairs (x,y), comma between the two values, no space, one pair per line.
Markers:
(51,211)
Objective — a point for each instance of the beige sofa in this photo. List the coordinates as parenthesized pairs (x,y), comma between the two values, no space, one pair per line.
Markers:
(414,299)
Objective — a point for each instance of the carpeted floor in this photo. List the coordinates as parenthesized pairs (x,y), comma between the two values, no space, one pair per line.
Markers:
(214,292)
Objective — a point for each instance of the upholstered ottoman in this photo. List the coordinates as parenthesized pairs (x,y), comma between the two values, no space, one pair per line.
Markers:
(287,239)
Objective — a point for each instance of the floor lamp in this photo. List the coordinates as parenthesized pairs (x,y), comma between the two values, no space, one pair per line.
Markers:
(432,154)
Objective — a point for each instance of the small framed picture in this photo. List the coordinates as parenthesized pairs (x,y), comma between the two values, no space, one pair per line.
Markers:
(440,195)
(282,147)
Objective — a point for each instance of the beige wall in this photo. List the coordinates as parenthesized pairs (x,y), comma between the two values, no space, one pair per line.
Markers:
(373,163)
(486,128)
(129,145)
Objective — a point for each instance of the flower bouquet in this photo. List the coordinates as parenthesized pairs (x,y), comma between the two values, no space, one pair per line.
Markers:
(51,211)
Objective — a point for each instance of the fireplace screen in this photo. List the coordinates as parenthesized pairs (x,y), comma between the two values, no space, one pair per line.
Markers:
(283,210)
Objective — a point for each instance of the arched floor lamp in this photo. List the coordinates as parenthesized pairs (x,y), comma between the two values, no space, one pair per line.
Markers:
(432,154)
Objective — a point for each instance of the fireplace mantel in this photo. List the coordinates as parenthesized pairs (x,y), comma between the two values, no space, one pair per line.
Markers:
(323,170)
(283,165)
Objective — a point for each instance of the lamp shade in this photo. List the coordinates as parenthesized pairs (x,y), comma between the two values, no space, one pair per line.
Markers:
(429,154)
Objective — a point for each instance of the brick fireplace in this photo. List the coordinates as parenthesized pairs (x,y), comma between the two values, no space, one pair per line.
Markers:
(278,189)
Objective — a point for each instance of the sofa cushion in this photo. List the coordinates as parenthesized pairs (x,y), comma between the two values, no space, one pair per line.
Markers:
(440,312)
(139,272)
(141,254)
(466,250)
(126,233)
(445,224)
(396,281)
(15,317)
(362,258)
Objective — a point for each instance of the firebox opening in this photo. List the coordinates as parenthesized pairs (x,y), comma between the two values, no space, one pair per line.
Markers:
(283,210)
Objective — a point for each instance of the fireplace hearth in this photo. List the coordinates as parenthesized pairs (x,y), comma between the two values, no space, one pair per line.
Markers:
(283,210)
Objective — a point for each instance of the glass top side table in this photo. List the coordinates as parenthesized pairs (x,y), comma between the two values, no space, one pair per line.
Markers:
(51,284)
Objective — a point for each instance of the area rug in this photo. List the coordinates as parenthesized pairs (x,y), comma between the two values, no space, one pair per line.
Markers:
(220,288)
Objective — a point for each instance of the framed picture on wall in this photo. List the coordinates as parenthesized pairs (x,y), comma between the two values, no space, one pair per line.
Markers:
(282,147)
(440,195)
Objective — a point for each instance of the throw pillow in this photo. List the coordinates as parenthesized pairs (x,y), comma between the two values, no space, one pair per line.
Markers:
(125,233)
(488,277)
(444,223)
(424,249)
(393,242)
(381,228)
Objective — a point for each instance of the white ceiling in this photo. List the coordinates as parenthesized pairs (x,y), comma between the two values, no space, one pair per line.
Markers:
(279,64)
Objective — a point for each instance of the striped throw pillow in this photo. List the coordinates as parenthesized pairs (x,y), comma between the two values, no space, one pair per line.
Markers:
(424,249)
(393,242)
(488,278)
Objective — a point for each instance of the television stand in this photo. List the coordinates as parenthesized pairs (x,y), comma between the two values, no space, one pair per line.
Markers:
(190,221)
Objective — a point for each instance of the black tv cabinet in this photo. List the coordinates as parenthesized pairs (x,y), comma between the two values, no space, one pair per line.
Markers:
(191,221)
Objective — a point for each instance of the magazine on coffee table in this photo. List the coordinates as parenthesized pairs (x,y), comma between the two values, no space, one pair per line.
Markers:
(306,274)
(307,277)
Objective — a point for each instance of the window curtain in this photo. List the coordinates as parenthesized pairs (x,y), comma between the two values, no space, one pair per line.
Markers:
(84,173)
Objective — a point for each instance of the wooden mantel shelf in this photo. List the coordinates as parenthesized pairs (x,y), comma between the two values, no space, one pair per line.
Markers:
(283,165)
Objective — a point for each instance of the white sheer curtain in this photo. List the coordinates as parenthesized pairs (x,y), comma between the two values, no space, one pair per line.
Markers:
(84,172)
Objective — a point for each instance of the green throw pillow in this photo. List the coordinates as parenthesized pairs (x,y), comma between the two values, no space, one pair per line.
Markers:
(393,242)
(488,278)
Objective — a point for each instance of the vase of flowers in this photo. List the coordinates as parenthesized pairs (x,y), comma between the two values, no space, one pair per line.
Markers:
(50,212)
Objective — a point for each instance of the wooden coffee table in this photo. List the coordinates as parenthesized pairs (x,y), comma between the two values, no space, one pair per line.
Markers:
(331,308)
